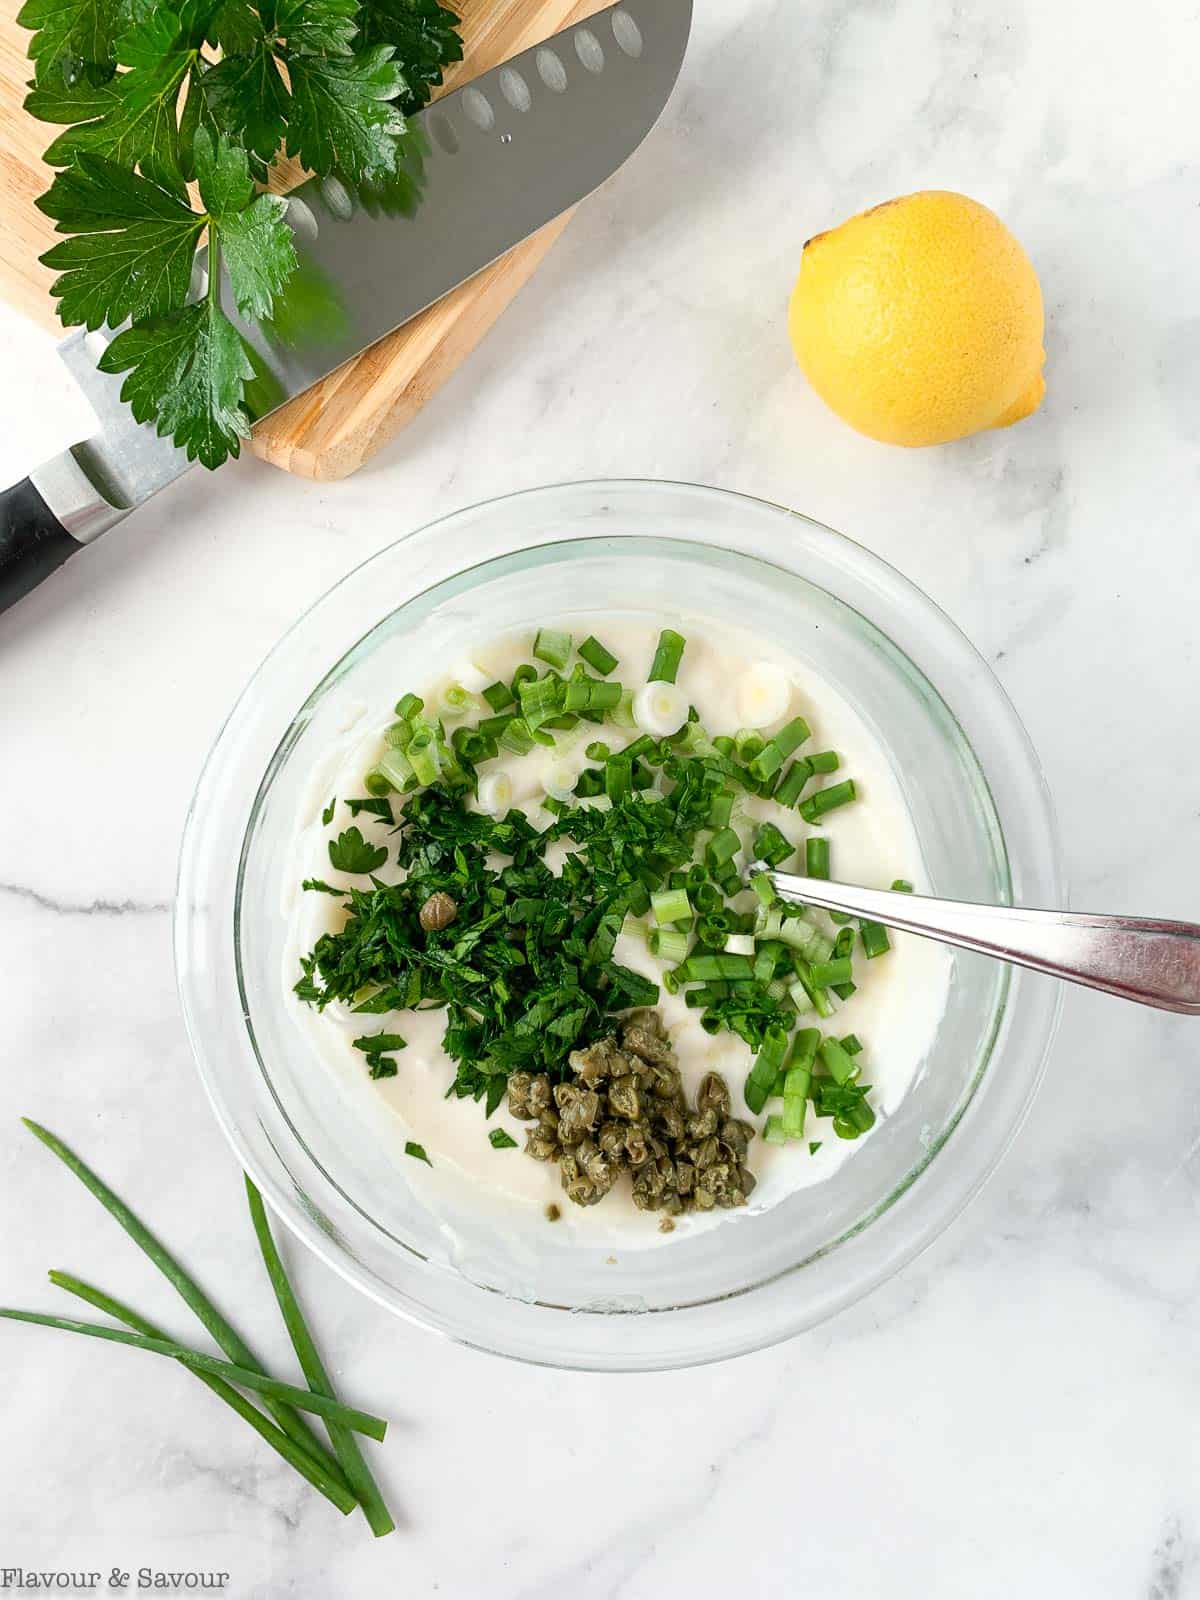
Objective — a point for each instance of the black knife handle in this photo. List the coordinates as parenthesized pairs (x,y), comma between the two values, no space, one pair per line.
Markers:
(33,543)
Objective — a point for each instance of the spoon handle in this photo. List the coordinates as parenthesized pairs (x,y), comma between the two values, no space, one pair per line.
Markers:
(1139,958)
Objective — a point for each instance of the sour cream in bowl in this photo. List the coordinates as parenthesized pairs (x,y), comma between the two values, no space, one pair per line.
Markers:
(740,1120)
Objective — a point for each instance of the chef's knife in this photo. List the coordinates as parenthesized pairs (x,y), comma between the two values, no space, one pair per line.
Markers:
(492,163)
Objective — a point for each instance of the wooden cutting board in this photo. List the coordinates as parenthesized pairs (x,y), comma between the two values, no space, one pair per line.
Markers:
(332,428)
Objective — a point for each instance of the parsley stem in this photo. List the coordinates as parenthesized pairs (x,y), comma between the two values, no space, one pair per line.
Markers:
(244,1377)
(328,1483)
(222,1331)
(357,1472)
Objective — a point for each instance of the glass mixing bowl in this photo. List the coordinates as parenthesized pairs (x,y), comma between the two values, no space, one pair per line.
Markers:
(981,812)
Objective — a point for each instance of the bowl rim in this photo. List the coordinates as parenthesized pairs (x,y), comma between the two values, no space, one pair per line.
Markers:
(302,1224)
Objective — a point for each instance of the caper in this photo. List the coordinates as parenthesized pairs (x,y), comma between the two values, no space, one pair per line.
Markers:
(438,912)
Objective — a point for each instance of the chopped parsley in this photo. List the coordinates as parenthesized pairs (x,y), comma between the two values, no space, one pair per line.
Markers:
(499,1140)
(327,814)
(417,1151)
(350,852)
(375,807)
(319,886)
(376,1048)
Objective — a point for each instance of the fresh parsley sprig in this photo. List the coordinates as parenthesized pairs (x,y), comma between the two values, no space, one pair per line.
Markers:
(152,98)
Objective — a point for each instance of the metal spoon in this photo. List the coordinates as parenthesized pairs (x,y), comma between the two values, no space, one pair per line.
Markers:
(1153,962)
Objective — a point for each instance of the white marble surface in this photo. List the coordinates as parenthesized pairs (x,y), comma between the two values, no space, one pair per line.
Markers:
(1017,1412)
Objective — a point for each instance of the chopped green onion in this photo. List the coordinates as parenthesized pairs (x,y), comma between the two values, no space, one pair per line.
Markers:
(798,1081)
(821,1002)
(837,1061)
(825,974)
(668,944)
(667,656)
(739,944)
(761,1079)
(747,743)
(722,847)
(516,738)
(723,745)
(622,712)
(874,935)
(597,751)
(541,700)
(800,934)
(597,657)
(816,857)
(774,1132)
(552,646)
(525,673)
(672,905)
(791,785)
(763,888)
(771,846)
(764,965)
(498,696)
(457,700)
(776,751)
(824,761)
(396,767)
(838,794)
(397,735)
(901,886)
(851,1044)
(425,754)
(587,694)
(376,784)
(699,969)
(618,779)
(408,705)
(721,809)
(799,996)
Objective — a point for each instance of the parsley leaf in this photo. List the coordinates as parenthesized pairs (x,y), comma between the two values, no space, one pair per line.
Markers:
(374,1044)
(381,807)
(341,117)
(186,372)
(350,852)
(500,1140)
(133,247)
(411,1148)
(425,37)
(327,814)
(69,31)
(254,240)
(151,96)
(320,886)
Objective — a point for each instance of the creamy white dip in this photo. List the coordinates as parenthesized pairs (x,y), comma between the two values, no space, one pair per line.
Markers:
(896,1011)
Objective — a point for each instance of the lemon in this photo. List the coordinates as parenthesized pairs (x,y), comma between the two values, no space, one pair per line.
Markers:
(920,321)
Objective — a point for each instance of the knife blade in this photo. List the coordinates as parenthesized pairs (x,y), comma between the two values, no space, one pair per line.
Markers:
(484,167)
